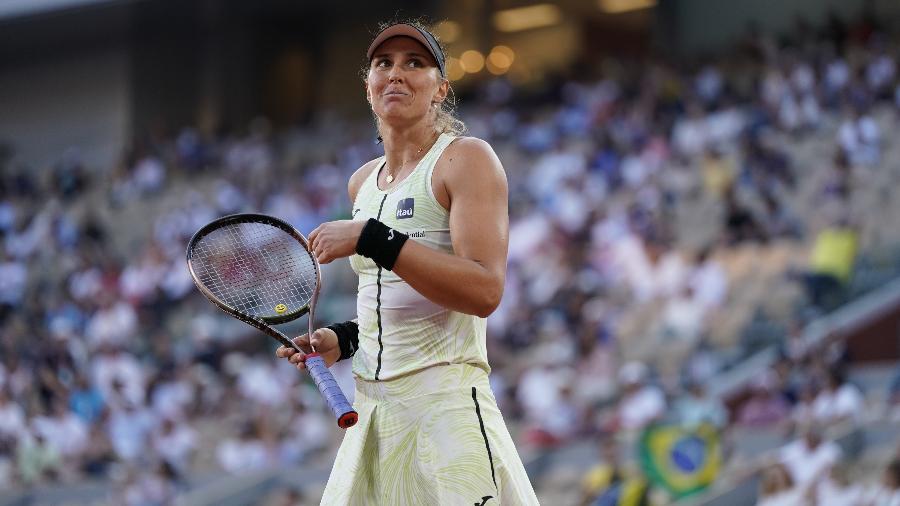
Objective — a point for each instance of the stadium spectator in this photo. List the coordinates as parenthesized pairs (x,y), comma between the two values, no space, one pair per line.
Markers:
(859,136)
(176,443)
(831,264)
(837,401)
(708,281)
(641,402)
(246,452)
(13,278)
(777,488)
(810,456)
(129,429)
(697,406)
(766,407)
(63,431)
(612,482)
(37,460)
(13,424)
(307,435)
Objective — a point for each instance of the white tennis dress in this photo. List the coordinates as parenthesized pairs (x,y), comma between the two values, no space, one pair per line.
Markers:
(429,430)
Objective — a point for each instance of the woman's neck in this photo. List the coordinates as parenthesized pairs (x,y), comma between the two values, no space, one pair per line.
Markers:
(402,146)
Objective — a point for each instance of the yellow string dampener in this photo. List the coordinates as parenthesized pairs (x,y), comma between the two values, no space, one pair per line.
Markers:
(280,308)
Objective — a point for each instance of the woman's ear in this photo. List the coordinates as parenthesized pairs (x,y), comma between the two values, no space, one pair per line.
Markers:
(441,93)
(368,93)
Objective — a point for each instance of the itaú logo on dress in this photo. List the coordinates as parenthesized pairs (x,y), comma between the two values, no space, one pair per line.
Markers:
(405,208)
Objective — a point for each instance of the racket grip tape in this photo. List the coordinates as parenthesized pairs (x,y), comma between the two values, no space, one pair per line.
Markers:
(342,410)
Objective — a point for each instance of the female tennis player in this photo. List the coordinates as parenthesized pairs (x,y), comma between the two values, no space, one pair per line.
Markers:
(428,240)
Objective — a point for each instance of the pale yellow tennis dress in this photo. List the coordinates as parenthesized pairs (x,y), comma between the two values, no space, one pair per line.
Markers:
(429,430)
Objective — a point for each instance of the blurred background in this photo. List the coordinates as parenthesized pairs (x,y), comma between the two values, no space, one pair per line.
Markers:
(703,296)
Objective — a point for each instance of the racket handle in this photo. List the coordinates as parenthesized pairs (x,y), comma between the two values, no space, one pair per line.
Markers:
(343,411)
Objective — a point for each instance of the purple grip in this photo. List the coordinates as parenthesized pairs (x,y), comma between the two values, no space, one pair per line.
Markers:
(343,411)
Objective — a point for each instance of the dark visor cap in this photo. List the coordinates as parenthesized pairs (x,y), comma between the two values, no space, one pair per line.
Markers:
(405,30)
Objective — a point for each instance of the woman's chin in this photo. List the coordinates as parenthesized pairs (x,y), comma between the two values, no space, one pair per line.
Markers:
(396,114)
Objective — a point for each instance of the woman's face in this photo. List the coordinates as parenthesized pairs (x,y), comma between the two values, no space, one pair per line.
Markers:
(403,81)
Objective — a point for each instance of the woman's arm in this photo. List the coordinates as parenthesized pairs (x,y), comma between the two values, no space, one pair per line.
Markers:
(471,280)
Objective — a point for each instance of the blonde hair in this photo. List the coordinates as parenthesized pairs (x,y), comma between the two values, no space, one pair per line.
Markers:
(446,120)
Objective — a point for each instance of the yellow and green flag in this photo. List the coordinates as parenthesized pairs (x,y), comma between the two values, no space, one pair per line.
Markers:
(680,459)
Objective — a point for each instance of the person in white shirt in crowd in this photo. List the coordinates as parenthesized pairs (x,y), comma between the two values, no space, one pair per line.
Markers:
(837,76)
(641,402)
(698,407)
(12,428)
(708,280)
(562,420)
(149,175)
(309,432)
(114,323)
(12,417)
(176,443)
(139,281)
(63,430)
(539,387)
(802,412)
(129,430)
(691,133)
(648,268)
(36,460)
(881,72)
(838,401)
(860,138)
(247,451)
(683,317)
(173,393)
(810,456)
(118,376)
(256,377)
(13,276)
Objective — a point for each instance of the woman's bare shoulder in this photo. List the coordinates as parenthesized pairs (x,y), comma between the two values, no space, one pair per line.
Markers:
(470,146)
(467,154)
(359,177)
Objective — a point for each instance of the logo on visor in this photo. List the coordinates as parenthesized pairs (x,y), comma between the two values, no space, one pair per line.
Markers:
(405,208)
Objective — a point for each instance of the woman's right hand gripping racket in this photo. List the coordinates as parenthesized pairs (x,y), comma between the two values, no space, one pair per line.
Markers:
(259,269)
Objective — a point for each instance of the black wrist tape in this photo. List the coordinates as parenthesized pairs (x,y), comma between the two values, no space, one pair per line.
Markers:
(381,243)
(348,337)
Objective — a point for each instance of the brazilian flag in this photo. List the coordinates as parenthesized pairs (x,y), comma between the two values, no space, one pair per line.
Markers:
(682,460)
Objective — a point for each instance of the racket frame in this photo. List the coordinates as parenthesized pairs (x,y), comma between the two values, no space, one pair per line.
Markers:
(316,364)
(262,323)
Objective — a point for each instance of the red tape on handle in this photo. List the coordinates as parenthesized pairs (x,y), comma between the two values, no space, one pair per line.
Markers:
(343,411)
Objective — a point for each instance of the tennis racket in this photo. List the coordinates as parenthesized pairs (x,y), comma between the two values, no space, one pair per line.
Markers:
(259,270)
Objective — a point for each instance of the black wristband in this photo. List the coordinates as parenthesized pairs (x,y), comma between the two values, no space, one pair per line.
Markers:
(348,337)
(381,243)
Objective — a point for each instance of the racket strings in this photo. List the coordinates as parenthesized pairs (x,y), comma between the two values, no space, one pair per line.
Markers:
(255,268)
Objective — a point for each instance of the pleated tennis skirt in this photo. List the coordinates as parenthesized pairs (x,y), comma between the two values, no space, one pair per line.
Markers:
(435,437)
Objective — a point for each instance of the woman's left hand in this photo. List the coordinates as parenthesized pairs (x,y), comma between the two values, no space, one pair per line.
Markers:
(335,239)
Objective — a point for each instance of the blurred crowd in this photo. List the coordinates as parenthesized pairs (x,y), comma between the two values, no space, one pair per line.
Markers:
(635,198)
